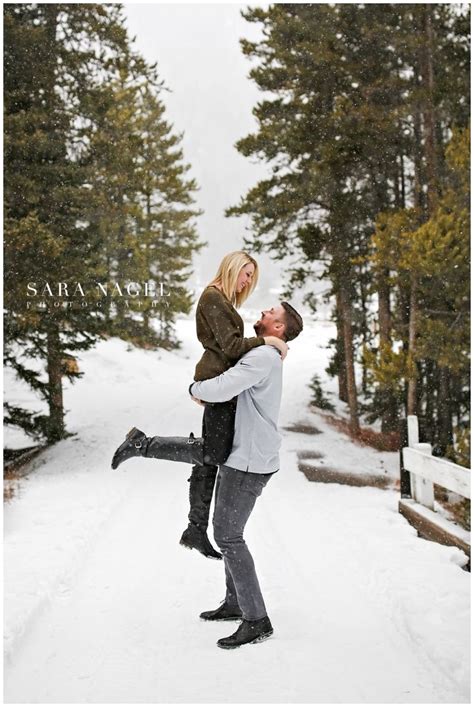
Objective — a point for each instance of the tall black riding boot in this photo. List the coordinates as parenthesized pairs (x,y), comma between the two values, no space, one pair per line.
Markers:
(178,449)
(201,486)
(218,434)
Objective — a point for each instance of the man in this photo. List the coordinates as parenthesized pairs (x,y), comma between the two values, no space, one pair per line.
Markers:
(256,380)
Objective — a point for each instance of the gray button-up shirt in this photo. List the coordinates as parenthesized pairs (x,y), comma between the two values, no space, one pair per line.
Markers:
(256,379)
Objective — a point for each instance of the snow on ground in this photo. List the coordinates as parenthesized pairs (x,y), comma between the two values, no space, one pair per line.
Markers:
(102,604)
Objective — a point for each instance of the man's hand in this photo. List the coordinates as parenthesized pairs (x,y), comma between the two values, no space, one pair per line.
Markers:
(196,400)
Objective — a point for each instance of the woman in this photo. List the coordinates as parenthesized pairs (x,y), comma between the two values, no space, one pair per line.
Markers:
(220,329)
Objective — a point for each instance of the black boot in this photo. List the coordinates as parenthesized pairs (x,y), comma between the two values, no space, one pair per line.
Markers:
(201,487)
(223,613)
(195,538)
(248,632)
(178,449)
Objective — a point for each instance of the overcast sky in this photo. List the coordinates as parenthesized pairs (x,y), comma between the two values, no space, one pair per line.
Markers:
(199,57)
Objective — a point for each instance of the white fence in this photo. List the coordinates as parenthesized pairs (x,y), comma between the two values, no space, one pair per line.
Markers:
(426,470)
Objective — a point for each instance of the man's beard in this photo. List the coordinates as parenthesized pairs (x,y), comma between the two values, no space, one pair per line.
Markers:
(259,328)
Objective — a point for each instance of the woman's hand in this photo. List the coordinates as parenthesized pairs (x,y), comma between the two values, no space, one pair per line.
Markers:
(281,345)
(196,400)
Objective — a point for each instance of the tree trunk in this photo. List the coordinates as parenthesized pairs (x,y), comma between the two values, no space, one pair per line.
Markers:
(146,313)
(430,390)
(456,395)
(429,122)
(56,429)
(411,397)
(349,358)
(383,292)
(340,356)
(418,196)
(390,411)
(445,423)
(51,12)
(419,202)
(402,182)
(122,262)
(365,327)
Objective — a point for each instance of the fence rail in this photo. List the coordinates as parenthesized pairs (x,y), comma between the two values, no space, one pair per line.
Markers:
(439,471)
(419,471)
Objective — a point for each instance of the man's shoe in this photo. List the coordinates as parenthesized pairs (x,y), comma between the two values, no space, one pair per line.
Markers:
(248,632)
(194,538)
(135,445)
(223,613)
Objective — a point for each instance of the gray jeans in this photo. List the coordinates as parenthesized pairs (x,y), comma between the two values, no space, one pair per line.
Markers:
(236,494)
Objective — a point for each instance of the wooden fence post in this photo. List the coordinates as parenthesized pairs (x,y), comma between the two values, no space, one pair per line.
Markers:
(424,489)
(413,439)
(413,434)
(419,471)
(405,485)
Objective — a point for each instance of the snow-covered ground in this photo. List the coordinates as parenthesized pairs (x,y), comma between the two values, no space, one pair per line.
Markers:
(102,604)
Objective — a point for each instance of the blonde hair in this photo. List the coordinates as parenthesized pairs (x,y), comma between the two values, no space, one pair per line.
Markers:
(228,274)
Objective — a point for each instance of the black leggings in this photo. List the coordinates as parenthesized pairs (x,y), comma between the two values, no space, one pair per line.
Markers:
(218,430)
(218,435)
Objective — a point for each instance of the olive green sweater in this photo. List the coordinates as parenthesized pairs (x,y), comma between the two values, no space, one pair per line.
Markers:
(220,330)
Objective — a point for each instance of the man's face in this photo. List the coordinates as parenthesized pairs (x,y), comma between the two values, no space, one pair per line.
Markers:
(271,323)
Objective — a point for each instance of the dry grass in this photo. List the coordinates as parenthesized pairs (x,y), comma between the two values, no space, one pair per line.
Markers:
(460,511)
(329,475)
(367,437)
(9,490)
(310,454)
(17,465)
(303,428)
(11,483)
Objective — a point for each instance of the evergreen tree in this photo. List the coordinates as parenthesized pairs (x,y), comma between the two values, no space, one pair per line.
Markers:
(114,146)
(75,136)
(354,129)
(437,254)
(165,230)
(320,197)
(45,75)
(143,207)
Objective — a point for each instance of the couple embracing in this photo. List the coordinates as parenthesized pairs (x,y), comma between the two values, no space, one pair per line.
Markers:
(238,381)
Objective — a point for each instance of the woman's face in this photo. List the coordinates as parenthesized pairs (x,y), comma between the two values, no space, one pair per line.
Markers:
(245,277)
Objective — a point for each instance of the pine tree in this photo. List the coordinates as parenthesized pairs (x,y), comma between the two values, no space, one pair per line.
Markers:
(318,200)
(353,135)
(113,176)
(87,198)
(440,250)
(166,235)
(53,54)
(437,255)
(143,207)
(44,190)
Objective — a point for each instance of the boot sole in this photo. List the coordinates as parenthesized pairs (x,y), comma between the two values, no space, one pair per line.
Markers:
(230,618)
(210,621)
(191,547)
(261,638)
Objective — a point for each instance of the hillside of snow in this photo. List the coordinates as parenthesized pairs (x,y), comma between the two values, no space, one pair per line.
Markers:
(102,604)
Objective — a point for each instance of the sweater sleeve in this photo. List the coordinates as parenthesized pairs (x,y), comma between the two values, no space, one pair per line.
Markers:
(225,331)
(249,371)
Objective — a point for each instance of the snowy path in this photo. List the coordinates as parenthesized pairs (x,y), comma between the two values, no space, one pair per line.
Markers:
(102,604)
